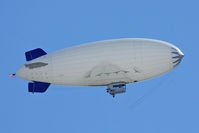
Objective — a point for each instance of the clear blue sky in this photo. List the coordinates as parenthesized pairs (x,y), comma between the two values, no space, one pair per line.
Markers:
(172,107)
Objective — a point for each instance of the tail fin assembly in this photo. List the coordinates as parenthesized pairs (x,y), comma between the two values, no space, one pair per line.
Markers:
(33,54)
(39,87)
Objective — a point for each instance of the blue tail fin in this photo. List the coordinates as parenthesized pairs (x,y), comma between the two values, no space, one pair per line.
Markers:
(33,54)
(38,87)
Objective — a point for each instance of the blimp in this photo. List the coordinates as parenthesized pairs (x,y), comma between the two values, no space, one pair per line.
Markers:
(112,63)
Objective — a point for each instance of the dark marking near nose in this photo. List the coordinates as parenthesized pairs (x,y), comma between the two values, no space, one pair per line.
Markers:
(175,53)
(178,57)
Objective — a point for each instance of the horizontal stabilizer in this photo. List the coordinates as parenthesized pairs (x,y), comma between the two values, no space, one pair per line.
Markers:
(38,87)
(33,54)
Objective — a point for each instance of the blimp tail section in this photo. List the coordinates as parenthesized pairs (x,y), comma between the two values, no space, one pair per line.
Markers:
(38,87)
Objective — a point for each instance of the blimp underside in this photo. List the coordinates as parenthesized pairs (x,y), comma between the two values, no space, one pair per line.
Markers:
(112,63)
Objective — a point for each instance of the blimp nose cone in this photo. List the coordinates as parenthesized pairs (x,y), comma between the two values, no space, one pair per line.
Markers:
(177,56)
